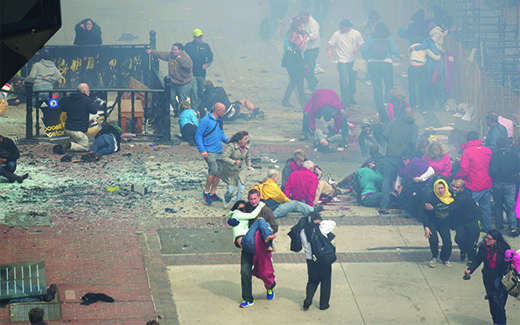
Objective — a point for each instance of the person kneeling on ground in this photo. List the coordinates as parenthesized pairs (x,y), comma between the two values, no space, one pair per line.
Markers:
(243,235)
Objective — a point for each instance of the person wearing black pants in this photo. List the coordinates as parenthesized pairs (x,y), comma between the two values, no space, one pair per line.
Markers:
(319,273)
(435,220)
(492,253)
(465,214)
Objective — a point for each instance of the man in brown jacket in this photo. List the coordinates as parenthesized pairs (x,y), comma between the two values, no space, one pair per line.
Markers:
(180,70)
(246,259)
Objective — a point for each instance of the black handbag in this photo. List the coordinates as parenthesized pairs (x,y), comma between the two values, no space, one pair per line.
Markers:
(292,57)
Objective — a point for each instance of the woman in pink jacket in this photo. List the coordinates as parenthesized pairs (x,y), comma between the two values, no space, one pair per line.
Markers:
(438,159)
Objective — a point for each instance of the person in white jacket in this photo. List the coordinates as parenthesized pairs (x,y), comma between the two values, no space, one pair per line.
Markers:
(43,75)
(319,273)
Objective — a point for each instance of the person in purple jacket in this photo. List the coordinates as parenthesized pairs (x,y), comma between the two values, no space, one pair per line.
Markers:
(413,177)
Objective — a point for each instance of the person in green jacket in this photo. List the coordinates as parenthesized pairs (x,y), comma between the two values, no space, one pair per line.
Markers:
(369,181)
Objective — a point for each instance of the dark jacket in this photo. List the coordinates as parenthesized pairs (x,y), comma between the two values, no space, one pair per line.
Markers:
(401,134)
(8,146)
(212,96)
(464,210)
(200,54)
(504,167)
(85,37)
(482,255)
(268,215)
(440,212)
(496,131)
(78,106)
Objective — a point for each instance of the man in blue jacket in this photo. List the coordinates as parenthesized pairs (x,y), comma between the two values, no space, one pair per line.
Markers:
(209,138)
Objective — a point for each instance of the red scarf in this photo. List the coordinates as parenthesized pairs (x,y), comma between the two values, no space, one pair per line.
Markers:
(492,258)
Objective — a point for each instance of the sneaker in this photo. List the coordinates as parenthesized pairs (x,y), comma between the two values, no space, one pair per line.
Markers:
(446,263)
(369,83)
(318,208)
(309,92)
(270,294)
(287,104)
(514,232)
(433,262)
(246,304)
(227,198)
(215,197)
(207,198)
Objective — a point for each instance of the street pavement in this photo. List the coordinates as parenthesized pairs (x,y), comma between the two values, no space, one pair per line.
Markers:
(182,267)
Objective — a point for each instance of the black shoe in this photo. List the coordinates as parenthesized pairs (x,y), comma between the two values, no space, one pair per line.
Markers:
(325,307)
(305,306)
(383,211)
(514,233)
(51,293)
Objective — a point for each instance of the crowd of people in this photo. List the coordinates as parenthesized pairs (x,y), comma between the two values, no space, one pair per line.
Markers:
(415,174)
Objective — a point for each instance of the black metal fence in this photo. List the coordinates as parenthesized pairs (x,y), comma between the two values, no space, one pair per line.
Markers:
(107,69)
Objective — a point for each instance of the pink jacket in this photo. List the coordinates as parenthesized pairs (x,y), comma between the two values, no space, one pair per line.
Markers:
(441,166)
(319,99)
(301,186)
(474,166)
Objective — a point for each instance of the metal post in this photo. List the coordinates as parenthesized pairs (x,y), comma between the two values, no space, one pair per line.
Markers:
(166,112)
(133,111)
(153,45)
(28,111)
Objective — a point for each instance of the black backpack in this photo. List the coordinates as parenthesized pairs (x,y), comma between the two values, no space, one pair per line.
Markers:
(323,247)
(379,49)
(294,233)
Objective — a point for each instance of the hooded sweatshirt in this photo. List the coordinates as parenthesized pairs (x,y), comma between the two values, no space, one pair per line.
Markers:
(402,134)
(474,166)
(44,68)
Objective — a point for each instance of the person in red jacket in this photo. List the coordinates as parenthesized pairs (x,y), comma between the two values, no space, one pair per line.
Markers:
(303,184)
(474,170)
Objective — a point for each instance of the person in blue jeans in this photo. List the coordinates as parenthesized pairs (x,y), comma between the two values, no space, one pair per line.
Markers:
(244,236)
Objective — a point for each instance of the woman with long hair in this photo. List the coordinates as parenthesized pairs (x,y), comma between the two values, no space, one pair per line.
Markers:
(237,161)
(438,159)
(378,50)
(292,60)
(491,252)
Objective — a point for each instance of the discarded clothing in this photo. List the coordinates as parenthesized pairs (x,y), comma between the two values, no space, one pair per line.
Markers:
(91,298)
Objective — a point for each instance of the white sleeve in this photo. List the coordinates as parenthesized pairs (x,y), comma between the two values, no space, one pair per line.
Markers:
(429,173)
(327,226)
(398,181)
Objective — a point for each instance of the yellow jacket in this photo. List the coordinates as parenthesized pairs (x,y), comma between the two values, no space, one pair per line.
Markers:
(270,190)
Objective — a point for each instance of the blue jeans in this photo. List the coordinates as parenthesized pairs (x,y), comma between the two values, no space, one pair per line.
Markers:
(292,206)
(483,198)
(248,240)
(231,189)
(504,196)
(372,201)
(182,92)
(347,81)
(381,72)
(103,145)
(10,166)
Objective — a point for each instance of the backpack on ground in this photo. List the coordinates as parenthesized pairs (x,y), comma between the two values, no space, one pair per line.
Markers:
(379,49)
(323,247)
